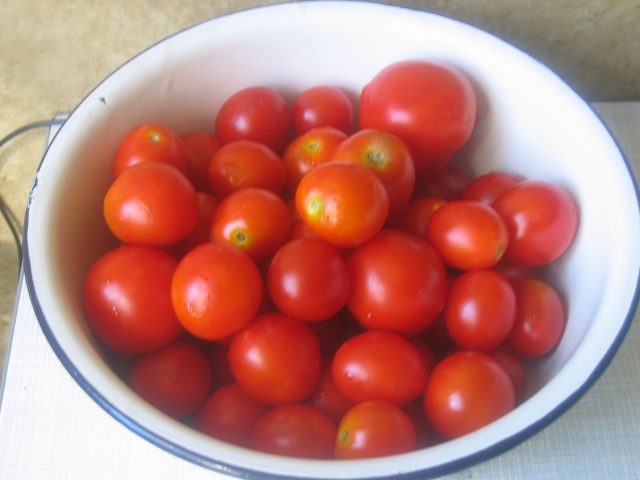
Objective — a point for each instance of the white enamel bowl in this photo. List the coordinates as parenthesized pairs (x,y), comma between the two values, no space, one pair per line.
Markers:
(529,122)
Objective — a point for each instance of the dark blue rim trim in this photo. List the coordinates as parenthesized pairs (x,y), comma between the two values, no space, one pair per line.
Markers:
(248,473)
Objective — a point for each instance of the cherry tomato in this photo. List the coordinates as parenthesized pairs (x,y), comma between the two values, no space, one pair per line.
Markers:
(295,431)
(374,429)
(448,184)
(328,398)
(323,106)
(127,299)
(150,142)
(542,220)
(466,391)
(431,106)
(343,203)
(377,365)
(256,113)
(199,148)
(468,235)
(175,379)
(333,332)
(486,188)
(207,205)
(216,290)
(416,216)
(276,359)
(513,271)
(426,353)
(397,283)
(219,359)
(426,436)
(151,203)
(514,368)
(244,163)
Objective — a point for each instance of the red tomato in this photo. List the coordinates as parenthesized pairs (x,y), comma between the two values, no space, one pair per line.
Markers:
(323,106)
(374,429)
(426,436)
(151,204)
(343,203)
(480,310)
(540,318)
(253,220)
(514,368)
(328,398)
(438,338)
(175,379)
(309,149)
(244,163)
(513,271)
(276,359)
(397,283)
(150,142)
(388,157)
(216,290)
(448,184)
(431,106)
(334,331)
(486,188)
(199,148)
(295,431)
(256,113)
(466,391)
(219,359)
(377,365)
(229,414)
(308,280)
(468,235)
(416,216)
(426,353)
(542,219)
(127,299)
(207,205)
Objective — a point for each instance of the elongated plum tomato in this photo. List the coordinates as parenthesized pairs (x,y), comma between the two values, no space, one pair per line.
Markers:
(431,106)
(216,290)
(343,203)
(322,106)
(199,148)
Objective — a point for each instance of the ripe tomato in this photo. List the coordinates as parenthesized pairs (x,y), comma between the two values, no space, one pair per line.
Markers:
(514,368)
(377,365)
(333,332)
(229,414)
(486,188)
(215,291)
(175,379)
(374,429)
(540,318)
(127,299)
(466,391)
(480,310)
(416,216)
(431,106)
(253,220)
(244,163)
(513,271)
(468,235)
(448,184)
(322,106)
(276,359)
(343,203)
(151,204)
(256,113)
(199,148)
(389,158)
(426,436)
(150,142)
(542,219)
(207,205)
(328,398)
(222,374)
(397,283)
(309,149)
(308,280)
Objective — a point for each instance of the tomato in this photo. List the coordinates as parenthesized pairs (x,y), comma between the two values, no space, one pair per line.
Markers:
(151,204)
(150,142)
(449,183)
(374,429)
(426,436)
(127,299)
(514,367)
(377,365)
(328,398)
(426,353)
(244,163)
(258,113)
(486,188)
(309,149)
(334,331)
(438,338)
(218,357)
(540,318)
(388,157)
(480,310)
(513,271)
(466,391)
(253,220)
(397,283)
(229,414)
(323,106)
(295,431)
(416,216)
(468,235)
(175,379)
(215,291)
(343,203)
(542,219)
(276,359)
(431,106)
(199,148)
(207,205)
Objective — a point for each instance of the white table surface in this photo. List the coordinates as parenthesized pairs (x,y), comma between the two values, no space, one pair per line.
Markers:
(50,429)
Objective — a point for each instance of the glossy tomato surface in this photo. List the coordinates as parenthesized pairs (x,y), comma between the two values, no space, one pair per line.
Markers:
(486,188)
(323,106)
(199,147)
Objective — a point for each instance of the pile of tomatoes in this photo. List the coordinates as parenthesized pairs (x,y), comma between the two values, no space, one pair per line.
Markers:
(298,286)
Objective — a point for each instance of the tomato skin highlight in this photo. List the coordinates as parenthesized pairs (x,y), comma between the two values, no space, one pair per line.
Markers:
(323,106)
